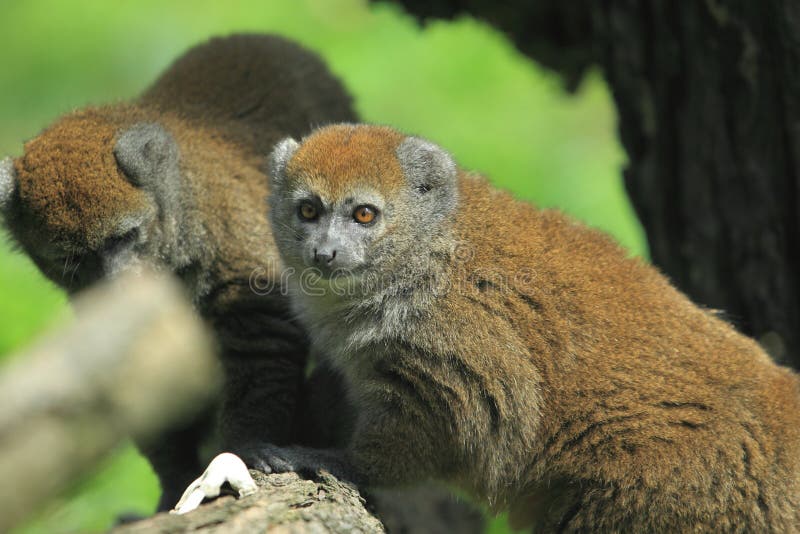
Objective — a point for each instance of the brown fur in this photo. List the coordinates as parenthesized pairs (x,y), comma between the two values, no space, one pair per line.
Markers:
(73,160)
(551,375)
(336,160)
(225,107)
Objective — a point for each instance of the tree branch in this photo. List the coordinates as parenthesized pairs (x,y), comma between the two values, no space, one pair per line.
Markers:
(135,360)
(284,503)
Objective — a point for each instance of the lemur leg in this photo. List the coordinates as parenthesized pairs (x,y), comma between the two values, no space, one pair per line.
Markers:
(258,406)
(330,422)
(385,450)
(263,355)
(326,418)
(260,399)
(174,456)
(394,447)
(325,423)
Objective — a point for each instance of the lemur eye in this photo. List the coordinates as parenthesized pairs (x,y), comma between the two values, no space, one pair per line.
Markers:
(364,214)
(308,211)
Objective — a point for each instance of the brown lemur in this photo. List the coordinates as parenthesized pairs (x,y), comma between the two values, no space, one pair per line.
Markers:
(519,354)
(176,179)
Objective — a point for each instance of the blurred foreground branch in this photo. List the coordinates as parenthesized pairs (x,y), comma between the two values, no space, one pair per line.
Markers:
(136,359)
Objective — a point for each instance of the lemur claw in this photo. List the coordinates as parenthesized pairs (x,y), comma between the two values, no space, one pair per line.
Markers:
(225,467)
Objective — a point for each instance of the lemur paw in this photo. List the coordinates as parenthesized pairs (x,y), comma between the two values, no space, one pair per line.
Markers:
(303,461)
(271,459)
(226,467)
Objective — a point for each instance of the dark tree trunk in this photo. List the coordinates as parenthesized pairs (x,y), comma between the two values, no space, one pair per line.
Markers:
(708,95)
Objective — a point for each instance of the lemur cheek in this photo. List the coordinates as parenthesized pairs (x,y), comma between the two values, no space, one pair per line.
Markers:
(309,257)
(359,257)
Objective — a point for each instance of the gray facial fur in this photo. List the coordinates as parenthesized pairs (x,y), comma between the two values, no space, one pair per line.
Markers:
(279,158)
(396,247)
(431,172)
(335,240)
(8,182)
(149,156)
(144,152)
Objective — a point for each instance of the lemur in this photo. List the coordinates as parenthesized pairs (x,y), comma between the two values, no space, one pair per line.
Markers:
(519,354)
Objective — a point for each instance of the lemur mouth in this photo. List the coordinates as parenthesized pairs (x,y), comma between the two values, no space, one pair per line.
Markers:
(328,273)
(332,278)
(115,244)
(118,253)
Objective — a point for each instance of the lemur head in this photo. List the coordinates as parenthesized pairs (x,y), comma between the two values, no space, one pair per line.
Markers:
(88,197)
(354,197)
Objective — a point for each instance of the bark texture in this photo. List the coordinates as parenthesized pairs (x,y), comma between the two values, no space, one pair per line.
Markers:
(710,118)
(287,503)
(284,503)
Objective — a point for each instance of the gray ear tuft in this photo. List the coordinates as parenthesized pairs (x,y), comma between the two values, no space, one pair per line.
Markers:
(8,182)
(426,165)
(279,158)
(146,152)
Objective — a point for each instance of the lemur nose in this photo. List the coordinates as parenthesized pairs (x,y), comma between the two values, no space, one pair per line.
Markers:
(324,256)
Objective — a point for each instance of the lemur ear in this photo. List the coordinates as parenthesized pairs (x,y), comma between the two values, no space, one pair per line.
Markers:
(146,152)
(8,182)
(427,166)
(279,158)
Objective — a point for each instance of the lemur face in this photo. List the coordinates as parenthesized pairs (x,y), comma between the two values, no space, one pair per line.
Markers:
(334,234)
(357,197)
(80,201)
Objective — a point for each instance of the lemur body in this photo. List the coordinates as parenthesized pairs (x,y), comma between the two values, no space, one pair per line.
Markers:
(176,179)
(521,355)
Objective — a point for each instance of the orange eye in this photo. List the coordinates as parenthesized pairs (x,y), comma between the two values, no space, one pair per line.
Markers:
(308,211)
(364,214)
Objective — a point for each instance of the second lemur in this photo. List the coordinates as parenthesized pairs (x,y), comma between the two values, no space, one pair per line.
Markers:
(520,355)
(175,180)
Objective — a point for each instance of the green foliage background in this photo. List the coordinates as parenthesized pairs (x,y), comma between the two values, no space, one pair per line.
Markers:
(461,84)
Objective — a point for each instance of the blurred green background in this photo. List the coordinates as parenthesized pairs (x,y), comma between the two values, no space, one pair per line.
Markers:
(461,84)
